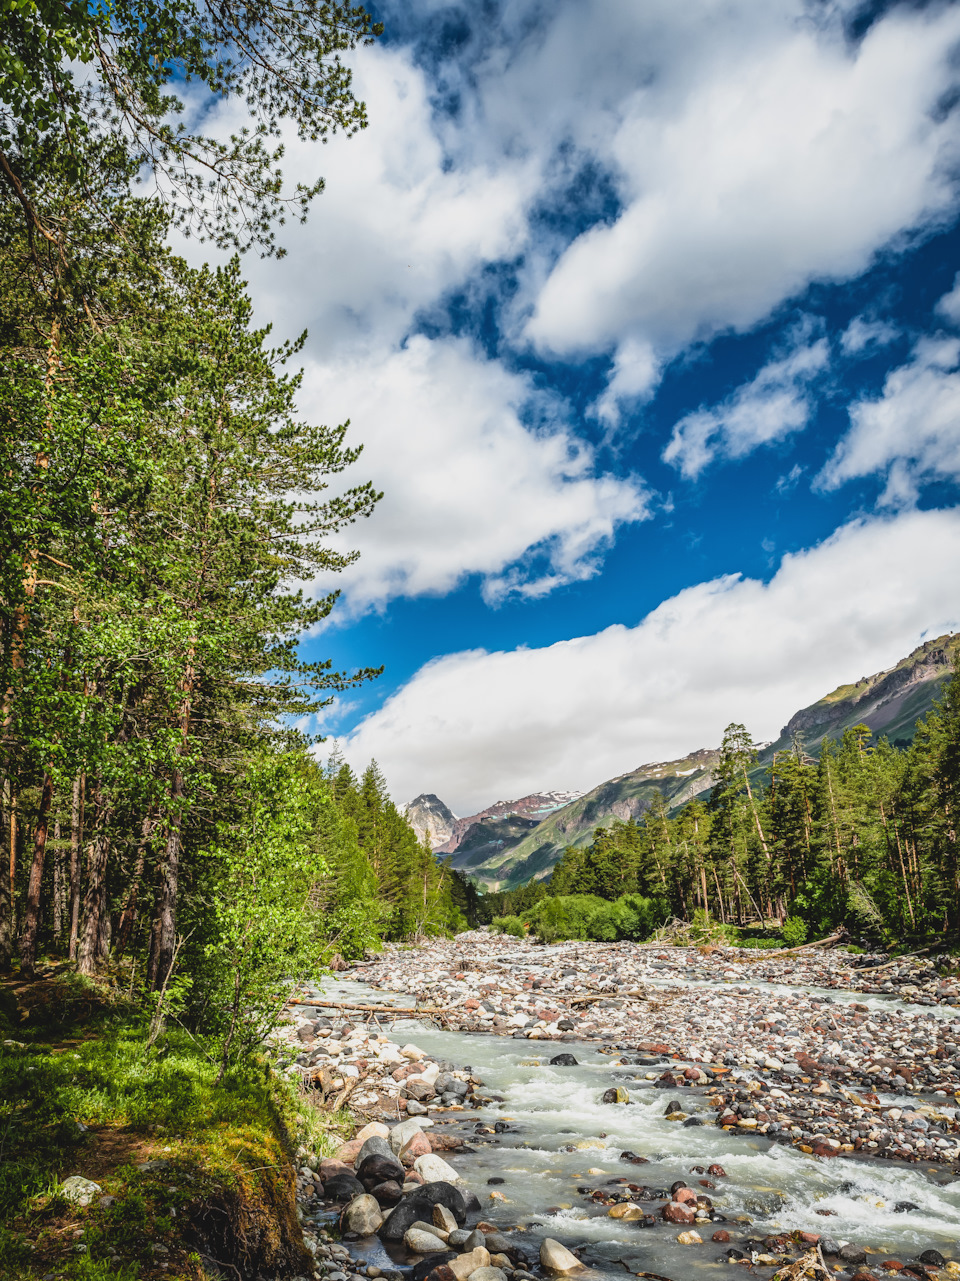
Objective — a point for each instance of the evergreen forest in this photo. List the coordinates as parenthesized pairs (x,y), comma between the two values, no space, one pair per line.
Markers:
(862,838)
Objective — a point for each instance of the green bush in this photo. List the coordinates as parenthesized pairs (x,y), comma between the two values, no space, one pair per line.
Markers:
(794,931)
(509,925)
(586,916)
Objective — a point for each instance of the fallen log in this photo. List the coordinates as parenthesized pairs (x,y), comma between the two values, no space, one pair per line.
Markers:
(368,1009)
(787,951)
(907,956)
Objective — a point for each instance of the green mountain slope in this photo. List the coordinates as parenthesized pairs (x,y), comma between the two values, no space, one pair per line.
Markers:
(890,702)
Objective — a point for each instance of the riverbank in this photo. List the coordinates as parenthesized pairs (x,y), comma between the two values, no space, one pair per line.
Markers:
(120,1161)
(824,1111)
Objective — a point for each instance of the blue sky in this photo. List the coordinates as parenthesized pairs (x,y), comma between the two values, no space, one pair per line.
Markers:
(646,315)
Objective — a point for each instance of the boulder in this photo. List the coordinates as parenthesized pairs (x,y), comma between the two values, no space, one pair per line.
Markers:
(342,1187)
(79,1190)
(421,1242)
(362,1215)
(434,1169)
(387,1194)
(428,1265)
(379,1169)
(441,1272)
(419,1204)
(418,1144)
(443,1219)
(373,1129)
(418,1090)
(348,1152)
(690,1238)
(330,1166)
(557,1259)
(616,1094)
(373,1146)
(675,1212)
(563,1060)
(401,1133)
(468,1263)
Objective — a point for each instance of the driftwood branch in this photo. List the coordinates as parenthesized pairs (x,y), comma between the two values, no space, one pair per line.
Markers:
(827,942)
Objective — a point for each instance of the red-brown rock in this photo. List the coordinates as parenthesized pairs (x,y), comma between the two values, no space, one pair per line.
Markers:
(717,1171)
(721,1235)
(685,1195)
(675,1212)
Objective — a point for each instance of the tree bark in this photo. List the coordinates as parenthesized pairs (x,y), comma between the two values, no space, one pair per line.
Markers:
(31,912)
(95,899)
(163,936)
(129,913)
(6,881)
(76,836)
(58,883)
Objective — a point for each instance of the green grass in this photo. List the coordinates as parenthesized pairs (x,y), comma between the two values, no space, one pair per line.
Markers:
(82,1093)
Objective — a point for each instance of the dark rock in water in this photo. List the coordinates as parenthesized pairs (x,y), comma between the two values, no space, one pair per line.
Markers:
(563,1060)
(851,1253)
(673,1106)
(419,1205)
(343,1187)
(388,1193)
(634,1159)
(380,1169)
(472,1202)
(416,1109)
(904,1207)
(420,1271)
(717,1171)
(933,1257)
(565,1025)
(733,1254)
(675,1187)
(495,1180)
(829,1246)
(692,1120)
(615,1095)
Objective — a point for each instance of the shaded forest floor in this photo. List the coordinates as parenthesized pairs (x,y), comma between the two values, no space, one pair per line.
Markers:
(192,1179)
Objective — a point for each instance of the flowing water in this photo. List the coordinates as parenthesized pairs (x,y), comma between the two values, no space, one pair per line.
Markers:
(776,1188)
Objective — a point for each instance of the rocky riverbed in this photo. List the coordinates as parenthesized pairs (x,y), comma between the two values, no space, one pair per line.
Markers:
(790,1070)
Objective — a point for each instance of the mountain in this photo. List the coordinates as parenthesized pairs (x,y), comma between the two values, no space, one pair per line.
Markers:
(890,702)
(497,829)
(430,818)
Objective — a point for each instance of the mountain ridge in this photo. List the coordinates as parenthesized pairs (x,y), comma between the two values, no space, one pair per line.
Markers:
(889,702)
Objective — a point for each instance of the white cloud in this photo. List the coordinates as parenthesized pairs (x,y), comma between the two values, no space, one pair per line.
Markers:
(770,407)
(472,485)
(911,433)
(949,304)
(474,726)
(749,168)
(866,335)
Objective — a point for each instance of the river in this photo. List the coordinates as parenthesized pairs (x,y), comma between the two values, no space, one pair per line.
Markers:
(550,1108)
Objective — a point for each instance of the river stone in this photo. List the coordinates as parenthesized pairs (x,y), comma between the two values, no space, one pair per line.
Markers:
(439,1272)
(330,1166)
(675,1212)
(379,1169)
(497,1243)
(422,1225)
(373,1129)
(419,1205)
(421,1242)
(458,1238)
(616,1094)
(373,1146)
(387,1194)
(465,1264)
(443,1219)
(690,1238)
(79,1190)
(342,1187)
(489,1273)
(563,1060)
(474,1240)
(401,1133)
(417,1145)
(434,1169)
(362,1215)
(851,1253)
(557,1259)
(416,1109)
(418,1091)
(933,1257)
(426,1267)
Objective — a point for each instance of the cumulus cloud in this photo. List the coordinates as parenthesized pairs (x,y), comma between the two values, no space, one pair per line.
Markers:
(863,335)
(481,475)
(911,433)
(476,726)
(788,158)
(949,304)
(770,407)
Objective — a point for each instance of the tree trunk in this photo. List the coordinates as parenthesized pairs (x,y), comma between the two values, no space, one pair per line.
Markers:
(58,886)
(31,913)
(129,914)
(76,839)
(95,899)
(163,936)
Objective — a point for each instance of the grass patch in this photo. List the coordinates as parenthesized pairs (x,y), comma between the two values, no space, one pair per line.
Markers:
(186,1168)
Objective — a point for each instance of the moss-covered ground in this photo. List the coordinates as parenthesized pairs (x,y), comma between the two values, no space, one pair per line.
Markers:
(195,1178)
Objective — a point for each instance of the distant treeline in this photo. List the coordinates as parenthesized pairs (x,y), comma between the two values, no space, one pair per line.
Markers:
(864,836)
